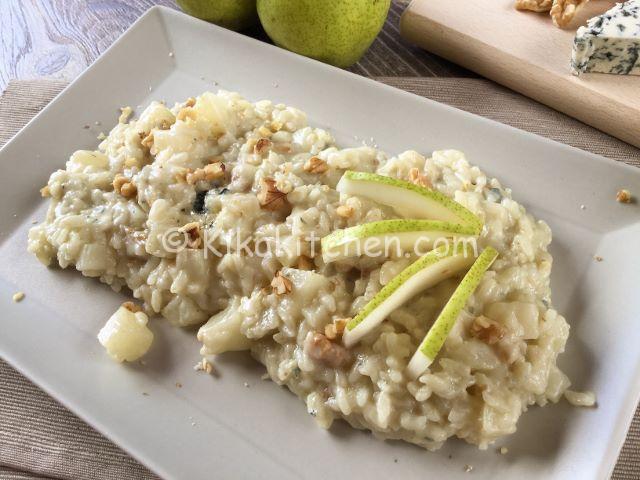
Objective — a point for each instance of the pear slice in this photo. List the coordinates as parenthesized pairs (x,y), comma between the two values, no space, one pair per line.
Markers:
(407,199)
(388,236)
(437,334)
(434,267)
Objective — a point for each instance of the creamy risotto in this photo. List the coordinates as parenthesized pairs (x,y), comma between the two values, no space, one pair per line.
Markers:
(226,176)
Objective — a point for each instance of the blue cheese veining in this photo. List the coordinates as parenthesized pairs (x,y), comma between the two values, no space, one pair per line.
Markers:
(610,43)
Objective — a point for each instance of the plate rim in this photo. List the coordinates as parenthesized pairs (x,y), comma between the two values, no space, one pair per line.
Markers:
(159,12)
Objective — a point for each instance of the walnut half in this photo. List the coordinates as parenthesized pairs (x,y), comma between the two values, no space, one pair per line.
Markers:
(281,284)
(323,350)
(270,197)
(487,330)
(534,5)
(124,186)
(563,11)
(193,233)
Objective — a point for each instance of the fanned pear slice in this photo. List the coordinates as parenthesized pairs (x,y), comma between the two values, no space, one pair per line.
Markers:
(437,334)
(429,270)
(389,236)
(407,199)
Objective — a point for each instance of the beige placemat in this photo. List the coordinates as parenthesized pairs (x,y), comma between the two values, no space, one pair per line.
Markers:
(40,438)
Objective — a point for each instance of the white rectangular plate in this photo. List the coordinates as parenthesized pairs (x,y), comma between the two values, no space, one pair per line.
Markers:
(218,427)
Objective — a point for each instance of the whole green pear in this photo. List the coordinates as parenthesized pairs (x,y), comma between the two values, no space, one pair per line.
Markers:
(232,14)
(332,31)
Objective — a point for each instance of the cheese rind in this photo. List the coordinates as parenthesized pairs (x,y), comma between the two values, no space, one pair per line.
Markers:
(609,43)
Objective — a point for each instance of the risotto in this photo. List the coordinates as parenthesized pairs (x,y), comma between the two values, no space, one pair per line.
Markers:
(244,189)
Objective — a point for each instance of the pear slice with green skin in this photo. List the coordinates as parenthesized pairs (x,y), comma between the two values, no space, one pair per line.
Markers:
(407,199)
(437,334)
(387,236)
(437,265)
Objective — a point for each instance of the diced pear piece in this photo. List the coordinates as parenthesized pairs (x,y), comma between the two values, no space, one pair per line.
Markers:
(407,199)
(388,236)
(440,329)
(126,336)
(222,333)
(434,267)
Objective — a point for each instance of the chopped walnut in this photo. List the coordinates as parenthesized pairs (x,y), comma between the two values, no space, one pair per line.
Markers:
(315,165)
(305,263)
(208,173)
(323,350)
(132,307)
(147,141)
(563,11)
(187,113)
(270,197)
(194,235)
(476,389)
(204,366)
(180,174)
(45,192)
(417,178)
(281,284)
(487,330)
(534,5)
(623,196)
(125,113)
(335,329)
(344,211)
(124,186)
(262,146)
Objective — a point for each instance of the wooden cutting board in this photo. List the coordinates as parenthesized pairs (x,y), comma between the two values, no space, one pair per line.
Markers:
(527,53)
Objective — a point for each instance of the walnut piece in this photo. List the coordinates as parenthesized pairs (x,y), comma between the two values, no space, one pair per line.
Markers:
(344,211)
(624,196)
(270,197)
(534,5)
(187,113)
(262,146)
(305,263)
(147,141)
(125,113)
(563,11)
(335,329)
(124,186)
(315,165)
(417,178)
(132,307)
(487,330)
(208,173)
(193,233)
(323,350)
(281,284)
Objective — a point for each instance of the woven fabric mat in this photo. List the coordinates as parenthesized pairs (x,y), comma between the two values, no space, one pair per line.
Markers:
(41,439)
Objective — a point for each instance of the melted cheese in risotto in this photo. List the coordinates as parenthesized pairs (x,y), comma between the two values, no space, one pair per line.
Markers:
(227,177)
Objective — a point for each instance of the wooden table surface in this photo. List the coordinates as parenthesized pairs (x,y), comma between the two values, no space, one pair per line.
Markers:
(60,38)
